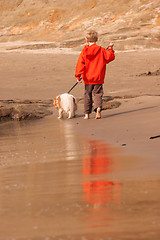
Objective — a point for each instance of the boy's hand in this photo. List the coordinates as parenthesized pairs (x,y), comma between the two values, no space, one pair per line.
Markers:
(110,46)
(79,80)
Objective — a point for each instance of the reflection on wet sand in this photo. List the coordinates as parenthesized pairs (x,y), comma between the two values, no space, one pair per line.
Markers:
(99,193)
(96,191)
(55,184)
(39,187)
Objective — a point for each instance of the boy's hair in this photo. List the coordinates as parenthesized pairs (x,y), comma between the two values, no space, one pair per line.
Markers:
(92,36)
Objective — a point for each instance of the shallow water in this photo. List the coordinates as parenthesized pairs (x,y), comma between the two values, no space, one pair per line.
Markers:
(55,184)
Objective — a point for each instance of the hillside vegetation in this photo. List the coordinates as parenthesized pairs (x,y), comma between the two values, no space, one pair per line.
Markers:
(128,23)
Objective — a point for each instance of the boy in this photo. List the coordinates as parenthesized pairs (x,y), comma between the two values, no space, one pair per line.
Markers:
(91,65)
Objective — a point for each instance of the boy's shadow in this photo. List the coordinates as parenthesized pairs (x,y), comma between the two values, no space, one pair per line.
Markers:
(119,113)
(130,111)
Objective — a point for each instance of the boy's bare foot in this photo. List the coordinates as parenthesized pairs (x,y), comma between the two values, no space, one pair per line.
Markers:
(86,116)
(98,114)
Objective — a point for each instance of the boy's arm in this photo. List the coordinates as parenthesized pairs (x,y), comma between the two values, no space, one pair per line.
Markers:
(109,53)
(80,67)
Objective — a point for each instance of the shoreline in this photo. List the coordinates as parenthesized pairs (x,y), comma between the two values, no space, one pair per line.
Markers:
(129,130)
(31,76)
(44,47)
(132,126)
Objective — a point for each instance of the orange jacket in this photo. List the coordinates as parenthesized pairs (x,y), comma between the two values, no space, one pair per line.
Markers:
(92,64)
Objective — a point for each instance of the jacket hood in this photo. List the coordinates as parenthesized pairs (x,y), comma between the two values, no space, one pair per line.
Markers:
(91,51)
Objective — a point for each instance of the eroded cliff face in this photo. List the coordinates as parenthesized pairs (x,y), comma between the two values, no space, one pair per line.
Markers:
(128,23)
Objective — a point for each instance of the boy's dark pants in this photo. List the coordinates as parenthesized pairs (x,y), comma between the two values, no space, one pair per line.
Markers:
(97,90)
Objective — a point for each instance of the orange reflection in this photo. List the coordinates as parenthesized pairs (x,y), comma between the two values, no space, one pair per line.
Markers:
(97,161)
(98,192)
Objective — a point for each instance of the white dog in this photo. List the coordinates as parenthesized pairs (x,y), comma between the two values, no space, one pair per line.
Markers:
(65,103)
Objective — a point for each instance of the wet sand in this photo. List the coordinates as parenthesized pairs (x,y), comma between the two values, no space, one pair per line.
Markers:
(77,179)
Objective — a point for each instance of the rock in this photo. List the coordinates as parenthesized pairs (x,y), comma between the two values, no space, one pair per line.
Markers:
(153,137)
(35,109)
(58,21)
(110,105)
(149,73)
(107,102)
(124,144)
(25,109)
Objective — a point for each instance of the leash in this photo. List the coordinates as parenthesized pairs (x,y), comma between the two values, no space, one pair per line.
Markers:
(73,87)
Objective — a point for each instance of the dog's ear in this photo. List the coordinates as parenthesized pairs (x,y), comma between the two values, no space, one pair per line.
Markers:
(55,103)
(59,102)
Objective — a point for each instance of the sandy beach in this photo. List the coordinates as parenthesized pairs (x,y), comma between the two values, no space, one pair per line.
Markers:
(127,135)
(31,74)
(26,75)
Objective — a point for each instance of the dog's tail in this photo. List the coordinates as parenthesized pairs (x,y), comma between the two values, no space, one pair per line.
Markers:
(72,105)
